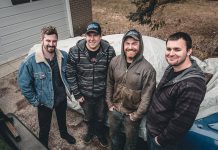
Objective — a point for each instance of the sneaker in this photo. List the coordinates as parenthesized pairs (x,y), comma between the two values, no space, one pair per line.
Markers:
(103,141)
(69,138)
(88,138)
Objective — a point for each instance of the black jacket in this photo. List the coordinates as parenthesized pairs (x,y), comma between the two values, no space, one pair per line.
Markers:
(88,78)
(175,104)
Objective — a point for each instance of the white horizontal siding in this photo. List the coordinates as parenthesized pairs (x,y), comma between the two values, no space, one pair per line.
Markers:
(48,19)
(21,51)
(5,3)
(25,41)
(11,10)
(6,21)
(20,25)
(10,38)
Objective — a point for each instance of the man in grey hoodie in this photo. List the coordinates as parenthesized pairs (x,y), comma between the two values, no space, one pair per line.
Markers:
(130,83)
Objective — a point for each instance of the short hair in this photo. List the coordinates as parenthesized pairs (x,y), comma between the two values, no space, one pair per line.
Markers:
(181,35)
(48,30)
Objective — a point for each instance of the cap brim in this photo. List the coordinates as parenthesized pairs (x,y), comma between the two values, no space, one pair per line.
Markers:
(133,36)
(92,31)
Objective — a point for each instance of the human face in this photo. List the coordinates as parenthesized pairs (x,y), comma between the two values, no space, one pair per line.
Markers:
(93,41)
(49,43)
(131,49)
(177,54)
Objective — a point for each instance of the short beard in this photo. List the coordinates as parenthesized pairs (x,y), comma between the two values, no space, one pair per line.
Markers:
(47,49)
(131,58)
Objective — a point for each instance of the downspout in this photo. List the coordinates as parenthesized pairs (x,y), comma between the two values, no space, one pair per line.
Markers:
(69,17)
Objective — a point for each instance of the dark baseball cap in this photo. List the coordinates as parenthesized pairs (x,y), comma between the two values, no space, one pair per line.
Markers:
(134,34)
(93,27)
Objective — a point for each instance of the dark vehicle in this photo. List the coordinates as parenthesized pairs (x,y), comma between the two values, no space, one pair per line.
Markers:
(14,135)
(203,135)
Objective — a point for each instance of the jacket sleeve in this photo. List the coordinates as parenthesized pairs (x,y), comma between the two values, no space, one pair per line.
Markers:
(113,52)
(71,73)
(149,84)
(110,84)
(187,105)
(26,83)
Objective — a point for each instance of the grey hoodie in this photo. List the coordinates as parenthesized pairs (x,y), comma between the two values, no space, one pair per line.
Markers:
(130,90)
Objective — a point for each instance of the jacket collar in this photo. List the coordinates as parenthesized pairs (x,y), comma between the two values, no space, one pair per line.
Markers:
(40,57)
(193,71)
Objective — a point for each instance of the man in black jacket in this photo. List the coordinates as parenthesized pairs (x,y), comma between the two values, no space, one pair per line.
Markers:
(86,73)
(178,96)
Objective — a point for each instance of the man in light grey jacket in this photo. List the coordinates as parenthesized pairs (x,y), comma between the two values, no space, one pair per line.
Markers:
(130,83)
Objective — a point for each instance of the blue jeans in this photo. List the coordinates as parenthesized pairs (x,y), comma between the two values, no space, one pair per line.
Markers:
(123,131)
(153,146)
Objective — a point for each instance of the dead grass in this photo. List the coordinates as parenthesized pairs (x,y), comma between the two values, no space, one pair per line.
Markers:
(198,18)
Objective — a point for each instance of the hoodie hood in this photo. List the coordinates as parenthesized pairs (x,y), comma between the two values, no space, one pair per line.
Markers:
(193,71)
(137,36)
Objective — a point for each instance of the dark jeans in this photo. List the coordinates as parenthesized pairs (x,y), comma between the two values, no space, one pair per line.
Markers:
(95,112)
(45,116)
(123,131)
(153,146)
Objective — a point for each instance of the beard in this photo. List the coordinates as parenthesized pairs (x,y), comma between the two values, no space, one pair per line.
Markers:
(131,54)
(49,49)
(177,62)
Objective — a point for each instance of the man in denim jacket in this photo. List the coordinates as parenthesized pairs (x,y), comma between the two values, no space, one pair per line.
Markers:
(42,81)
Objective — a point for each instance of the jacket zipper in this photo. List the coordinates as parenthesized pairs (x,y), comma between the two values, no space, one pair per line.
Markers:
(121,104)
(93,79)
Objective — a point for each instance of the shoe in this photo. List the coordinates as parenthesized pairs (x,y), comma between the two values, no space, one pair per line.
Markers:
(88,138)
(69,138)
(103,141)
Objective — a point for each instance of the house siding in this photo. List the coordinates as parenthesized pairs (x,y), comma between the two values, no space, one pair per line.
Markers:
(20,25)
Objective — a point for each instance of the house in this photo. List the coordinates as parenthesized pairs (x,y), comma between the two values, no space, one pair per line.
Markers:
(21,21)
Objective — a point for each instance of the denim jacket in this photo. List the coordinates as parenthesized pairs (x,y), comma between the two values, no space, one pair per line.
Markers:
(35,78)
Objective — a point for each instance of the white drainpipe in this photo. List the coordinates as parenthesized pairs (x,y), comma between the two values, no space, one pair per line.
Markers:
(69,17)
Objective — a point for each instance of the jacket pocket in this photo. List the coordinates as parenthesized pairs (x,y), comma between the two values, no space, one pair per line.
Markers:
(131,98)
(39,82)
(39,75)
(117,96)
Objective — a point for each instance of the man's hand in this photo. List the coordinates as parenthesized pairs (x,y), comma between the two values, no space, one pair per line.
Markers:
(112,108)
(131,117)
(81,99)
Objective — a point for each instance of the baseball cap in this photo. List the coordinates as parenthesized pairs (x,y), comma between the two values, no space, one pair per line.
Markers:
(93,27)
(134,34)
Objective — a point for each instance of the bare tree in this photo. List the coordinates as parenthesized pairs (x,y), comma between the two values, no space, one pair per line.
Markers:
(144,12)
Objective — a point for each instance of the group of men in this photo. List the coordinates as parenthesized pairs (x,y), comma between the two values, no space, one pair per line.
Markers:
(123,86)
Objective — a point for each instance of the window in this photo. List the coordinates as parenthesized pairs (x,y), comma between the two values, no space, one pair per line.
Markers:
(16,2)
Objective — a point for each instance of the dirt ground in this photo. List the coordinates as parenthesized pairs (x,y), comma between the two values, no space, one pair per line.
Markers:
(197,17)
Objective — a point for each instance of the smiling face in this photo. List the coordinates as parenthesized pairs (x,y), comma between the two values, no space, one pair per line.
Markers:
(49,43)
(177,54)
(131,48)
(93,41)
